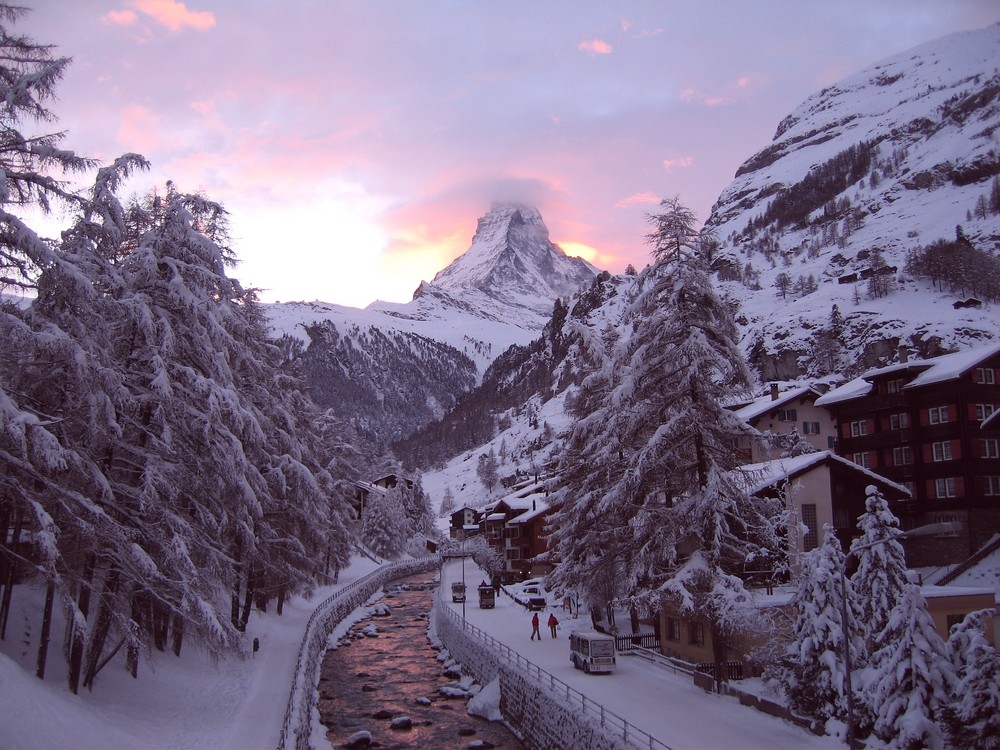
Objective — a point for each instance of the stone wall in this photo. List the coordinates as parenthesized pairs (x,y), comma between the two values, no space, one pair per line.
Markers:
(542,716)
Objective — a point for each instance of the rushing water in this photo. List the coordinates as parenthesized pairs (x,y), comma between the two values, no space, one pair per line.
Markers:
(376,679)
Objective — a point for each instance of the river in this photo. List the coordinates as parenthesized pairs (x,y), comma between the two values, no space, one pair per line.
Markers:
(395,674)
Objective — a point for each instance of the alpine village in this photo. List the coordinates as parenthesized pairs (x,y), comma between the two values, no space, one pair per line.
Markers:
(768,461)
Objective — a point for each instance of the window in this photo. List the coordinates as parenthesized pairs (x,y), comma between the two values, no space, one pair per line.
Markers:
(985,411)
(941,451)
(945,518)
(991,486)
(944,488)
(902,456)
(514,553)
(859,428)
(810,428)
(938,414)
(953,620)
(810,540)
(673,629)
(894,386)
(861,459)
(696,633)
(899,421)
(985,375)
(912,488)
(990,448)
(831,443)
(787,415)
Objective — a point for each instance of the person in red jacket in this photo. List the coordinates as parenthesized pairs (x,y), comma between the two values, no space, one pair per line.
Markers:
(534,627)
(553,624)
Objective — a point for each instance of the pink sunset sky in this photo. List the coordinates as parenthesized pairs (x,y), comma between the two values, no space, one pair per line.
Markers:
(356,143)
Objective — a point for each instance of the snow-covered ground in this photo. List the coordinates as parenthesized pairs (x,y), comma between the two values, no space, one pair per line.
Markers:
(186,702)
(666,705)
(191,702)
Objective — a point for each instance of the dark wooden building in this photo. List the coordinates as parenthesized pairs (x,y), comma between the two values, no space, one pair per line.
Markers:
(926,425)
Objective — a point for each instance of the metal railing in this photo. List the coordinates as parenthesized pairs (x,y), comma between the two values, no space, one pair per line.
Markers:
(608,720)
(302,698)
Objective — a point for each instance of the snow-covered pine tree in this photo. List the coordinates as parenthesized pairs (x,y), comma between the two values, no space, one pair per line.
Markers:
(814,673)
(911,677)
(652,465)
(881,573)
(447,502)
(973,717)
(384,526)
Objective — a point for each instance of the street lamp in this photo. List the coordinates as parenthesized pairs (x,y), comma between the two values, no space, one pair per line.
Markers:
(464,590)
(949,527)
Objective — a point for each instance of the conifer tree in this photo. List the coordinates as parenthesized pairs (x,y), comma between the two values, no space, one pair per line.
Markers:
(973,717)
(651,465)
(912,678)
(814,678)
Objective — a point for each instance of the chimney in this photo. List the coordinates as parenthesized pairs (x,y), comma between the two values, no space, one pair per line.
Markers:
(774,391)
(904,353)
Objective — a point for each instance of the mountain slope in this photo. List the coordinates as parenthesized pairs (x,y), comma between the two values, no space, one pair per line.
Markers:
(861,174)
(392,368)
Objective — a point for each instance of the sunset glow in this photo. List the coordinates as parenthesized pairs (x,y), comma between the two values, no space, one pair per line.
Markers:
(356,144)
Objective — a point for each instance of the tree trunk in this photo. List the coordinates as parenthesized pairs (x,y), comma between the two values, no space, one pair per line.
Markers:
(43,638)
(77,636)
(132,650)
(101,628)
(178,634)
(281,601)
(11,576)
(633,614)
(719,652)
(247,600)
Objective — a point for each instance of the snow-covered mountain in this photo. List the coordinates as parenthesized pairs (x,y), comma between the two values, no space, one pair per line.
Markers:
(885,162)
(513,266)
(393,367)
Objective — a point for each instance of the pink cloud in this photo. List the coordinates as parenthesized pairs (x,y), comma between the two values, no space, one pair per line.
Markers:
(138,129)
(684,161)
(175,15)
(638,198)
(594,47)
(119,17)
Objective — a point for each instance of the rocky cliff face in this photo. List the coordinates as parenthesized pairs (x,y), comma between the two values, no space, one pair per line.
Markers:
(858,178)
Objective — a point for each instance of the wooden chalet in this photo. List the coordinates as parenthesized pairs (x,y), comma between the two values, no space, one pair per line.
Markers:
(926,424)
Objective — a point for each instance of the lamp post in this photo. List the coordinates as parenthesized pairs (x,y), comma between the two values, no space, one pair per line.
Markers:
(928,530)
(464,592)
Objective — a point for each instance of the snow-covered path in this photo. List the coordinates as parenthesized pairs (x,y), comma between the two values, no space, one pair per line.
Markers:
(665,705)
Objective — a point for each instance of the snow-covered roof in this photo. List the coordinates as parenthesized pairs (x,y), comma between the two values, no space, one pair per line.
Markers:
(765,403)
(935,370)
(769,473)
(495,517)
(528,515)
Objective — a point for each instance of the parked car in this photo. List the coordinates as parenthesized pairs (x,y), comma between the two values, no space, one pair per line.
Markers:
(536,603)
(592,651)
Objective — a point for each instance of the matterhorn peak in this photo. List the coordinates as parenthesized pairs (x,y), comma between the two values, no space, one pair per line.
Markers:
(512,260)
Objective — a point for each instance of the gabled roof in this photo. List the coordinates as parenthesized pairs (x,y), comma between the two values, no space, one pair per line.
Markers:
(765,403)
(765,475)
(928,371)
(541,508)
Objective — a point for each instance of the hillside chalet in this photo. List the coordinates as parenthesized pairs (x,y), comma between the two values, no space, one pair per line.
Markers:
(926,425)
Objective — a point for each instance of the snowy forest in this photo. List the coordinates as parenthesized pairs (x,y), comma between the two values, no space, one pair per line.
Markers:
(161,470)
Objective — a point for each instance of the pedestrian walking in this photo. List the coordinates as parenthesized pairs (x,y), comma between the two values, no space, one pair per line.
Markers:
(534,627)
(553,624)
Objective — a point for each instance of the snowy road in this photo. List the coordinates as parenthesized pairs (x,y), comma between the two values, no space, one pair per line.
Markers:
(665,705)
